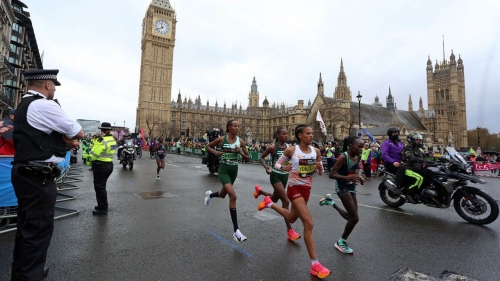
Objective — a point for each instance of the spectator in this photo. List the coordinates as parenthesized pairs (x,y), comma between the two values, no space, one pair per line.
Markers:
(6,140)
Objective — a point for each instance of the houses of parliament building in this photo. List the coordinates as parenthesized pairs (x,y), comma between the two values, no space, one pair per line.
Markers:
(158,113)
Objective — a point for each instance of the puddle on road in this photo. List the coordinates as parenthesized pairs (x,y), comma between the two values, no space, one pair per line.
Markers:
(155,195)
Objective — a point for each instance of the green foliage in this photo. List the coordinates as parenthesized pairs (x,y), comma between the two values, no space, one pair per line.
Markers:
(487,141)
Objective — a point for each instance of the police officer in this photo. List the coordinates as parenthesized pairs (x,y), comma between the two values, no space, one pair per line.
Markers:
(41,132)
(101,156)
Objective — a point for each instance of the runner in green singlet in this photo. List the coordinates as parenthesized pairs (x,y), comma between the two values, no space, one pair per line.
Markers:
(278,178)
(346,173)
(232,146)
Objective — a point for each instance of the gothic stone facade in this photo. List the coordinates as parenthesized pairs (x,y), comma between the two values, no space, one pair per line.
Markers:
(444,122)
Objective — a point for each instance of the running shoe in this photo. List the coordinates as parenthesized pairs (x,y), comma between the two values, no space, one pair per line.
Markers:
(292,235)
(343,247)
(327,200)
(157,177)
(262,205)
(238,236)
(318,270)
(256,193)
(207,197)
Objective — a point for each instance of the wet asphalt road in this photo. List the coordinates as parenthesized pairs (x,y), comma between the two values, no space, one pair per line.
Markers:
(177,237)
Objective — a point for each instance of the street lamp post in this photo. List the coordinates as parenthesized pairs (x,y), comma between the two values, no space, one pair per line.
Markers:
(359,96)
(478,138)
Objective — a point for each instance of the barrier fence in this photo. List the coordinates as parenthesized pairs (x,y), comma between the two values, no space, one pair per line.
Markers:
(8,199)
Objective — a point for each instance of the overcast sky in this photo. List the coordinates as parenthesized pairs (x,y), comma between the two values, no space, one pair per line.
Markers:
(222,44)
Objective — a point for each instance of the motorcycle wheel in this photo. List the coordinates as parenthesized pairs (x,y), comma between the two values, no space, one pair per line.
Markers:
(390,198)
(131,166)
(478,212)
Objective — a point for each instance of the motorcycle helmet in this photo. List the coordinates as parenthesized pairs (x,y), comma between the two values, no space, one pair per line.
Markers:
(415,140)
(392,130)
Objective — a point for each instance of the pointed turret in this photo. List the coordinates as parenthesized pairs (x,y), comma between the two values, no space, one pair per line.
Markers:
(410,104)
(265,103)
(377,101)
(164,4)
(342,91)
(420,104)
(390,100)
(179,98)
(321,87)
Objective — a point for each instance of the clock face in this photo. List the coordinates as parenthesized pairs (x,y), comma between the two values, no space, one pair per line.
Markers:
(162,27)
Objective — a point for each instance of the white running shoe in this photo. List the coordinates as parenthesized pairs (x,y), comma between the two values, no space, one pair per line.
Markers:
(207,197)
(238,236)
(157,177)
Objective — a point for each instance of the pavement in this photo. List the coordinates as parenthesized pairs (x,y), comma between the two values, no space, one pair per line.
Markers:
(161,230)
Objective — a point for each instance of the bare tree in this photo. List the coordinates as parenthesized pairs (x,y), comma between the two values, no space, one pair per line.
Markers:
(151,122)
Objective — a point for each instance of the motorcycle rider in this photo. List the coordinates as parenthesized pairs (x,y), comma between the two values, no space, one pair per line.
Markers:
(392,153)
(413,157)
(120,144)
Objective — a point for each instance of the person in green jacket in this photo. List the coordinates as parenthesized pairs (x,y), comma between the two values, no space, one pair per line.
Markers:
(366,159)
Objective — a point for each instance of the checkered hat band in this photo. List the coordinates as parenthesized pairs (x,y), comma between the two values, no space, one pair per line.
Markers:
(42,77)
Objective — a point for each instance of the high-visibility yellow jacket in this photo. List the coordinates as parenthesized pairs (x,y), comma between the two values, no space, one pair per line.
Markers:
(103,149)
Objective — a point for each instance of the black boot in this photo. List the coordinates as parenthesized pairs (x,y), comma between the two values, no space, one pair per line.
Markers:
(411,199)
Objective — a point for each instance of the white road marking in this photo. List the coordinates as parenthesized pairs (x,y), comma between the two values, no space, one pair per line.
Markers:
(373,207)
(172,165)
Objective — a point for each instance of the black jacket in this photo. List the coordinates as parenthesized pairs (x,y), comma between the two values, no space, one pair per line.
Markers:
(413,157)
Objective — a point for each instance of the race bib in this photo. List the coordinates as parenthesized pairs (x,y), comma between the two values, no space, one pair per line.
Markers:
(161,152)
(306,167)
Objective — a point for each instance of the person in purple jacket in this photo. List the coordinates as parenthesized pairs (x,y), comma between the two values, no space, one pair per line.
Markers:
(392,151)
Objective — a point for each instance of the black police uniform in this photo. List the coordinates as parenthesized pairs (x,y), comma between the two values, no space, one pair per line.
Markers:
(35,189)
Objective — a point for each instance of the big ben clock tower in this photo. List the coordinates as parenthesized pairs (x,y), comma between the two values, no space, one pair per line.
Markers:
(157,45)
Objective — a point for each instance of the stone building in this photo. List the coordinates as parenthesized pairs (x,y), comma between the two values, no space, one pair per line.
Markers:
(23,55)
(7,18)
(158,113)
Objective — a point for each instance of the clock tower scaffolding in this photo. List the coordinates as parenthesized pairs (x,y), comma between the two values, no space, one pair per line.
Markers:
(155,84)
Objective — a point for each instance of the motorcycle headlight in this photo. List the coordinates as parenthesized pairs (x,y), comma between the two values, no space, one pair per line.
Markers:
(469,170)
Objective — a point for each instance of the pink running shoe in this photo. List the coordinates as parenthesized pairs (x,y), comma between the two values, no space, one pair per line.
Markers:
(262,205)
(318,270)
(292,235)
(256,193)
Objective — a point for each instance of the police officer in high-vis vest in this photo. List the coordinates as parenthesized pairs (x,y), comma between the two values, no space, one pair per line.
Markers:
(101,156)
(41,132)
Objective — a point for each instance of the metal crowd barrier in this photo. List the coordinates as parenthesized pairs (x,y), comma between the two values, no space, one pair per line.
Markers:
(8,201)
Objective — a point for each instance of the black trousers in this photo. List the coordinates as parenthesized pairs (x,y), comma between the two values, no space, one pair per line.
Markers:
(329,163)
(367,168)
(35,223)
(102,171)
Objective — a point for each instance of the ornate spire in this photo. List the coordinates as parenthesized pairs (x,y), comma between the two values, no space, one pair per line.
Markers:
(164,4)
(410,104)
(254,86)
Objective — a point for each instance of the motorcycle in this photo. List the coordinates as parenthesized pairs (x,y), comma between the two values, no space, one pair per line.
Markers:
(443,182)
(128,154)
(212,161)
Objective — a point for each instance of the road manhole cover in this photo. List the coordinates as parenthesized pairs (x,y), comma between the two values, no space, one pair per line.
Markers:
(154,194)
(263,216)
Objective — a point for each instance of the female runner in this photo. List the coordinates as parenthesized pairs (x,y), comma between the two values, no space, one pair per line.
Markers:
(304,160)
(278,178)
(232,145)
(161,151)
(345,172)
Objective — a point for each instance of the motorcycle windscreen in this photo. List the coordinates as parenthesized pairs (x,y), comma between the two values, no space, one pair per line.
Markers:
(455,155)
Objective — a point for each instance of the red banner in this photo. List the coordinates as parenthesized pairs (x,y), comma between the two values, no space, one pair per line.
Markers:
(485,166)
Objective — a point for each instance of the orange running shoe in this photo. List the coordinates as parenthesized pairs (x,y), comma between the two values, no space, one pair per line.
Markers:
(318,270)
(256,193)
(292,235)
(262,205)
